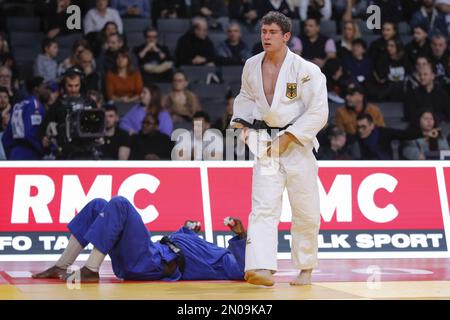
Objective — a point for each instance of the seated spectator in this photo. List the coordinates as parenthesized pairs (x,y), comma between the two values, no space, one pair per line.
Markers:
(74,59)
(375,143)
(205,143)
(233,51)
(97,17)
(180,102)
(246,12)
(223,122)
(4,49)
(116,142)
(337,80)
(440,56)
(431,143)
(54,92)
(98,40)
(420,45)
(194,47)
(358,64)
(107,59)
(344,45)
(338,146)
(150,143)
(21,140)
(169,9)
(57,18)
(316,47)
(45,65)
(5,107)
(389,74)
(317,8)
(443,6)
(92,78)
(6,81)
(265,6)
(210,10)
(124,83)
(131,122)
(132,8)
(429,95)
(154,59)
(429,15)
(356,104)
(377,48)
(412,79)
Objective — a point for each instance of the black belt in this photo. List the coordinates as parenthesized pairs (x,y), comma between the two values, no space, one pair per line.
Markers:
(180,260)
(259,125)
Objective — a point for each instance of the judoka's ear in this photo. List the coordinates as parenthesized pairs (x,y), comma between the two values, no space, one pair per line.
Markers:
(286,37)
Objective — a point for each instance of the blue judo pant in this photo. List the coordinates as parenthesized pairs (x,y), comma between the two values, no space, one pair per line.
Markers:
(117,229)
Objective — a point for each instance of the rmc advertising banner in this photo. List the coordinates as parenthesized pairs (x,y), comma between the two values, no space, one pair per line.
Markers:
(368,209)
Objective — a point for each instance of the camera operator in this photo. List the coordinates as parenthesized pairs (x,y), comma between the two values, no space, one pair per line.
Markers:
(61,118)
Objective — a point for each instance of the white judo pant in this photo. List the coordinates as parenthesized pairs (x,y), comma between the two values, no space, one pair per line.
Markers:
(297,171)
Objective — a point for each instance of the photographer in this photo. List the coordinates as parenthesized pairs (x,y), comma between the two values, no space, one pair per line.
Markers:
(64,116)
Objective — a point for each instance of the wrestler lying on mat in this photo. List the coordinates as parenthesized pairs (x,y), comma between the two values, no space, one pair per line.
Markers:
(117,229)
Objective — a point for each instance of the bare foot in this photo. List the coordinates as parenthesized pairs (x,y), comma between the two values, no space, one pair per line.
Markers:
(259,277)
(303,279)
(85,275)
(51,273)
(236,226)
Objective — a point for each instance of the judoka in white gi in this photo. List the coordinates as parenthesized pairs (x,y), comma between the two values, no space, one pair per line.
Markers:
(281,88)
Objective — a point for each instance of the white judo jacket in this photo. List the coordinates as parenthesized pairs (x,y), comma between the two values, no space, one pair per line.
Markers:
(300,98)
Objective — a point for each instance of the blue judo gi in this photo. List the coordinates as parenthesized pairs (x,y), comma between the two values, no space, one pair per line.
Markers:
(21,137)
(117,229)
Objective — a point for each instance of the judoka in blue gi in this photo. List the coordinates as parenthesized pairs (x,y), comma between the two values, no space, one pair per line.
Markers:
(117,229)
(21,140)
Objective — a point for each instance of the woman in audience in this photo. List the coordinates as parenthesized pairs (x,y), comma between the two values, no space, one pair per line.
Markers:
(350,33)
(74,59)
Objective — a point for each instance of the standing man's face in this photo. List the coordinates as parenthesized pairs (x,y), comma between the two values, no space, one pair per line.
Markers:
(73,86)
(272,38)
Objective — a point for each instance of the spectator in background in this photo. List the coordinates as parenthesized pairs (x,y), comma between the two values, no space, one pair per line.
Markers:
(337,80)
(132,8)
(412,79)
(232,51)
(210,10)
(264,6)
(316,47)
(180,102)
(375,143)
(150,143)
(21,139)
(45,64)
(54,92)
(6,81)
(318,8)
(123,83)
(377,48)
(57,18)
(5,107)
(344,45)
(443,6)
(86,62)
(170,9)
(390,10)
(97,17)
(107,59)
(429,15)
(432,141)
(98,40)
(77,47)
(356,104)
(150,102)
(194,47)
(223,122)
(440,56)
(154,59)
(338,146)
(116,142)
(244,11)
(96,97)
(358,64)
(390,73)
(420,43)
(354,9)
(429,95)
(4,48)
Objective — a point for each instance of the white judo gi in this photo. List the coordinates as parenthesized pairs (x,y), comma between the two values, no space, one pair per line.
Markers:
(300,99)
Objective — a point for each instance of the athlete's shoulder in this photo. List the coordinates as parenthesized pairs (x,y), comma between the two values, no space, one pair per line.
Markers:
(306,65)
(252,61)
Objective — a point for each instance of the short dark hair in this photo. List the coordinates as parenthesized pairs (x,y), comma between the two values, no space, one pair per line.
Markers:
(33,83)
(149,29)
(279,19)
(47,42)
(154,117)
(202,114)
(359,41)
(363,116)
(111,107)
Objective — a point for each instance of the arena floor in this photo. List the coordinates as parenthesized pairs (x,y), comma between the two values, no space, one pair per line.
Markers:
(334,279)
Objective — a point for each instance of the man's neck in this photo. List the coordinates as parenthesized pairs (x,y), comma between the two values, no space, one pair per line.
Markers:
(109,132)
(277,57)
(429,87)
(314,38)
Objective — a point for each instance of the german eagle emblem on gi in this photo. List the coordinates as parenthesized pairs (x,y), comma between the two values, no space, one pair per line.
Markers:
(291,90)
